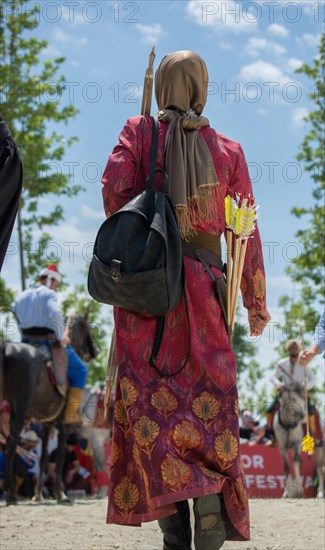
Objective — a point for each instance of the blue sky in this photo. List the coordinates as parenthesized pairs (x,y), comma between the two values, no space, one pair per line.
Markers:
(251,50)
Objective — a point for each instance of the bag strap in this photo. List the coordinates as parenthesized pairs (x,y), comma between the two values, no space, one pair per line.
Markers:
(205,259)
(153,157)
(153,151)
(160,326)
(158,338)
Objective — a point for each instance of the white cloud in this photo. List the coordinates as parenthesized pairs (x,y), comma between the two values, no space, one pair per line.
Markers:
(293,64)
(309,39)
(261,71)
(278,30)
(298,116)
(70,14)
(99,72)
(257,45)
(65,38)
(262,112)
(225,46)
(88,212)
(282,282)
(221,16)
(138,92)
(50,51)
(150,34)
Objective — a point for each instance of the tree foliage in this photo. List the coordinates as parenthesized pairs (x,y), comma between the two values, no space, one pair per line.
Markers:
(30,91)
(308,268)
(250,373)
(243,349)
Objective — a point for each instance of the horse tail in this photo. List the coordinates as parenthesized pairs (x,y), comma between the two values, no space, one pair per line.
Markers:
(5,409)
(2,359)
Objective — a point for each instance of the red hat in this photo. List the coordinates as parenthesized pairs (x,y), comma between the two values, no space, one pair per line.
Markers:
(52,272)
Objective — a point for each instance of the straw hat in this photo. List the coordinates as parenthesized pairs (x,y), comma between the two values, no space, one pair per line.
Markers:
(30,437)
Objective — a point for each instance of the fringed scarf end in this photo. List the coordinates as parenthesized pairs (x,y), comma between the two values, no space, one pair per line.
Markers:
(200,208)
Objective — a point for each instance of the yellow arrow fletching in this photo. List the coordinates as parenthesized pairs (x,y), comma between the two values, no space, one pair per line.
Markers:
(240,216)
(308,444)
(230,212)
(227,209)
(248,224)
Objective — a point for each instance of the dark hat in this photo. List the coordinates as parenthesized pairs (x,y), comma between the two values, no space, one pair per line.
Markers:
(72,439)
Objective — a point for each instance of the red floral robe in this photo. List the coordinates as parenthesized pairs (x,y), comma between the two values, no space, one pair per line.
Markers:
(178,438)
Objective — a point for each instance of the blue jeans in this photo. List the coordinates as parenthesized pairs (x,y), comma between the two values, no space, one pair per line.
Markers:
(77,370)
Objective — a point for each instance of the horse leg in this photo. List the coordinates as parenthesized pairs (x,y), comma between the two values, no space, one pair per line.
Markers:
(43,464)
(286,467)
(320,467)
(9,482)
(296,468)
(58,484)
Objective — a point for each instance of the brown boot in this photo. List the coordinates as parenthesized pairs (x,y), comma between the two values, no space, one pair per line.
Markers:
(72,413)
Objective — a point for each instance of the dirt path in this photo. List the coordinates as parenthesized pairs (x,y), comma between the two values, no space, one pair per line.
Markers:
(276,525)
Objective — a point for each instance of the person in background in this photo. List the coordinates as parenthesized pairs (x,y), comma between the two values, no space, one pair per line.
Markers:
(251,431)
(25,464)
(248,426)
(318,345)
(40,320)
(74,476)
(289,371)
(305,356)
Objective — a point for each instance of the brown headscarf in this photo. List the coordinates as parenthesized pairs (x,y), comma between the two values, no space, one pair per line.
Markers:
(181,84)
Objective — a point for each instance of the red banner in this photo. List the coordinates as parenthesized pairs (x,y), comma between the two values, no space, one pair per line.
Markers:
(264,472)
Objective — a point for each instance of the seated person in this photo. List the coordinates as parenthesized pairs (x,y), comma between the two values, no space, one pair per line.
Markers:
(74,476)
(25,464)
(247,427)
(259,437)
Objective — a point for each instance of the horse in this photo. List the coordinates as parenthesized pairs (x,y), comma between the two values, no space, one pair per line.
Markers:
(320,469)
(288,431)
(25,385)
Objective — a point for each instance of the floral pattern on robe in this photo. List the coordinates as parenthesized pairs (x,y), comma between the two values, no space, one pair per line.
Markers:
(178,438)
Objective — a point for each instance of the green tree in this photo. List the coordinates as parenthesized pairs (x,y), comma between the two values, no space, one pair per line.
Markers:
(250,373)
(308,268)
(243,349)
(30,92)
(7,296)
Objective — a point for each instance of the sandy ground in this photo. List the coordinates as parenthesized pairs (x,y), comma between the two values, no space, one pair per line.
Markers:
(275,525)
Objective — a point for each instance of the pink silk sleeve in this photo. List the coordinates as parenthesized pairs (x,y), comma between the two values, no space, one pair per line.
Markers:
(120,172)
(253,280)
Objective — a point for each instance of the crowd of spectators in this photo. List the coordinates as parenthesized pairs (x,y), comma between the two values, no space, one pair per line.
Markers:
(252,432)
(77,468)
(78,463)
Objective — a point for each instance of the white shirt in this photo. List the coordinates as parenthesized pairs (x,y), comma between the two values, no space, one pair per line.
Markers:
(296,371)
(38,307)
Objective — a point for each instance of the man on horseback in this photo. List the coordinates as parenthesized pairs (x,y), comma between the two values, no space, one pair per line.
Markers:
(41,323)
(290,372)
(318,344)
